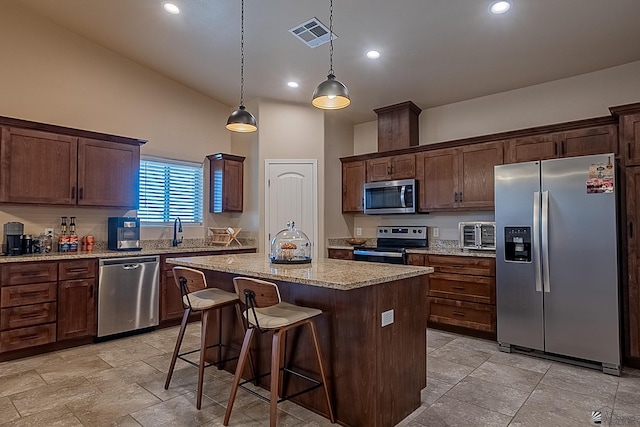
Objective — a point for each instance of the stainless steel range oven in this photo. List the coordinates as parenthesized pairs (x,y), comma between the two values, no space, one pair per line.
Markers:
(392,245)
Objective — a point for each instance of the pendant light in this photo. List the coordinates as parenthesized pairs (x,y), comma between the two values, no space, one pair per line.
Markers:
(241,120)
(331,94)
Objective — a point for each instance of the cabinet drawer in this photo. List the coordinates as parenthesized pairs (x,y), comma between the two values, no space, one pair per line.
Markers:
(22,273)
(474,266)
(480,317)
(77,269)
(12,296)
(27,315)
(458,286)
(27,337)
(340,253)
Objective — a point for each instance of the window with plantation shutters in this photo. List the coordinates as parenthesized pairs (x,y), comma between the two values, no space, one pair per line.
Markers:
(170,189)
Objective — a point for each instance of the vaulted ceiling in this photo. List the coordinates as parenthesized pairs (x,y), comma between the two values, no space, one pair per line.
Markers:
(434,52)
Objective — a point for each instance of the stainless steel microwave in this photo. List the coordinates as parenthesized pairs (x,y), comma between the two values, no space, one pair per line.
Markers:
(390,197)
(478,235)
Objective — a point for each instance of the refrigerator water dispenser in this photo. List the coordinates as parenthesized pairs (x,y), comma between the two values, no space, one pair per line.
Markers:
(517,244)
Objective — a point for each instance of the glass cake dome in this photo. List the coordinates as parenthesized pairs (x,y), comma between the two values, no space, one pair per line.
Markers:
(290,246)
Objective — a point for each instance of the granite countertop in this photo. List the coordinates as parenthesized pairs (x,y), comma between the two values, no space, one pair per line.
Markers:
(431,251)
(323,272)
(105,253)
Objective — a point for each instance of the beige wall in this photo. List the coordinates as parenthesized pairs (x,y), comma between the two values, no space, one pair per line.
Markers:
(290,131)
(580,97)
(51,75)
(338,142)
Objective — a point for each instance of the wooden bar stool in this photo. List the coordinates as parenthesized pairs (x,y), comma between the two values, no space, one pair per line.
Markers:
(265,312)
(196,296)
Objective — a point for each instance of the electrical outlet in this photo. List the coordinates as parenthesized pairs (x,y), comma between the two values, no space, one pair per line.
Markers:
(48,231)
(387,318)
(435,232)
(358,231)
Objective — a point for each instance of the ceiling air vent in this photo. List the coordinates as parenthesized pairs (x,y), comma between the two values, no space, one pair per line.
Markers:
(313,33)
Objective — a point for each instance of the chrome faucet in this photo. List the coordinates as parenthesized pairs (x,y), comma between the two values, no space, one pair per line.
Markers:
(177,223)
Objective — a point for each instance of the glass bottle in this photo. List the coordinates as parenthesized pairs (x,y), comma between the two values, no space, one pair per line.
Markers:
(73,237)
(63,239)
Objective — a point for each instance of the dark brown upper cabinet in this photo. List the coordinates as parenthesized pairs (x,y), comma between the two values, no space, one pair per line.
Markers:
(571,143)
(398,126)
(225,181)
(49,168)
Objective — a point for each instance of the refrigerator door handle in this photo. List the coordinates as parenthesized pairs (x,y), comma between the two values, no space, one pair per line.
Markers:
(536,240)
(545,241)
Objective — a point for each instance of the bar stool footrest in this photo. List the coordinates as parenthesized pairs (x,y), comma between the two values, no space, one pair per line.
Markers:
(316,384)
(217,364)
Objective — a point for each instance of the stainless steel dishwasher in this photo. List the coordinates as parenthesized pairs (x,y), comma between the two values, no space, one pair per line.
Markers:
(128,293)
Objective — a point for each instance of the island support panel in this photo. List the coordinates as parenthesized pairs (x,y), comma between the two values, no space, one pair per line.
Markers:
(374,373)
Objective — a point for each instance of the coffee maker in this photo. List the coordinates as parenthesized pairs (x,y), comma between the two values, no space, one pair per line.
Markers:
(124,234)
(13,238)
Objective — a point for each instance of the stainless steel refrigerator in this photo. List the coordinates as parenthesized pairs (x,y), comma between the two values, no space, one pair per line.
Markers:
(556,259)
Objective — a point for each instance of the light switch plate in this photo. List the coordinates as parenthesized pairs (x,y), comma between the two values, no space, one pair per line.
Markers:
(436,232)
(358,231)
(387,318)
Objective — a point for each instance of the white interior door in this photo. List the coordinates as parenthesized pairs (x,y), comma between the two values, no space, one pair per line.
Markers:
(291,195)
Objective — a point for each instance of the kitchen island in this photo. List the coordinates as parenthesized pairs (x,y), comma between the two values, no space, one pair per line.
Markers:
(375,373)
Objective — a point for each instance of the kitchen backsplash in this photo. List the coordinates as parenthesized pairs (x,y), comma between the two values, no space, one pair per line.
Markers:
(372,242)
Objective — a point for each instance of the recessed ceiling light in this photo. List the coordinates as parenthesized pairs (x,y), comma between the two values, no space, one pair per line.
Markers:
(292,84)
(373,54)
(499,7)
(171,8)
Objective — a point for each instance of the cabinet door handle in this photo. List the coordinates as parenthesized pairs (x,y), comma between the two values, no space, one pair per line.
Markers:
(458,288)
(562,148)
(73,192)
(460,197)
(631,230)
(555,149)
(28,337)
(30,315)
(455,197)
(457,313)
(81,193)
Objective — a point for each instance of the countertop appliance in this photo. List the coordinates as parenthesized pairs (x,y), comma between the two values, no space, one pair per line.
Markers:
(124,234)
(478,235)
(128,292)
(390,197)
(392,244)
(13,238)
(557,289)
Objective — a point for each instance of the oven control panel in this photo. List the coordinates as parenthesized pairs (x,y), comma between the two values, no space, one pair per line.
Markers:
(385,232)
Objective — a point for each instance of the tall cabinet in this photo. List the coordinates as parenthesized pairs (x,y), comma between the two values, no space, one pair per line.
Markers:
(629,120)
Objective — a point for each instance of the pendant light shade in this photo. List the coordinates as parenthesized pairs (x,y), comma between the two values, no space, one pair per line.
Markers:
(241,120)
(331,94)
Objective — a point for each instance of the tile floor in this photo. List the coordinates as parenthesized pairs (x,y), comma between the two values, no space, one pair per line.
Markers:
(470,383)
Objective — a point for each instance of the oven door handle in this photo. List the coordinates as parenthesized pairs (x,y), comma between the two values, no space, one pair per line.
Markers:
(378,254)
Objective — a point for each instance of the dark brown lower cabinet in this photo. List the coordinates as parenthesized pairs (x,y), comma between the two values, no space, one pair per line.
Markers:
(461,293)
(340,253)
(171,299)
(76,308)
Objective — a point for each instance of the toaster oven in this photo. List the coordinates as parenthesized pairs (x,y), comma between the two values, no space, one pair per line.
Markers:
(478,235)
